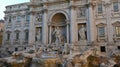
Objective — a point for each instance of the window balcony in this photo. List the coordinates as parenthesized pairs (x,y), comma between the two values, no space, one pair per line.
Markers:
(7,42)
(25,42)
(102,38)
(9,25)
(115,14)
(116,38)
(100,15)
(17,24)
(16,41)
(26,24)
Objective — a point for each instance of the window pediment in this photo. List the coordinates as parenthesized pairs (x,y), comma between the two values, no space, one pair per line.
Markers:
(17,30)
(117,23)
(8,31)
(101,25)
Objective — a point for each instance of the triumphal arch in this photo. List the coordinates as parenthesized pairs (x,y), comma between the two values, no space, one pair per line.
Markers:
(57,22)
(76,22)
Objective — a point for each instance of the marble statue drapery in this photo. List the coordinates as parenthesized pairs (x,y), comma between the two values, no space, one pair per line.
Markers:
(81,32)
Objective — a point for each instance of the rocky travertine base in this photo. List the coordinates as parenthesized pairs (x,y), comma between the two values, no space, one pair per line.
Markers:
(64,56)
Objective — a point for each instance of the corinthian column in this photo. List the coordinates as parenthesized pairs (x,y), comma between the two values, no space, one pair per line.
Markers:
(73,24)
(50,36)
(67,23)
(90,22)
(45,26)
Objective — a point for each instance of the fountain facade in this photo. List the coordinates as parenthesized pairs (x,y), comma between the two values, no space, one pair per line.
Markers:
(63,33)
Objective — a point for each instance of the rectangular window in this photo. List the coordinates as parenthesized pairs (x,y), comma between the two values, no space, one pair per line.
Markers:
(117,31)
(8,36)
(28,18)
(101,31)
(18,18)
(115,6)
(100,8)
(9,19)
(26,35)
(17,36)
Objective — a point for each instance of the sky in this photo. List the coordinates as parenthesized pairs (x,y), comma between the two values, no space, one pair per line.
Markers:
(4,3)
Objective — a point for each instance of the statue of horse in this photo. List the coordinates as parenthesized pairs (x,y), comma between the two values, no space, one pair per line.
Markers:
(80,58)
(83,57)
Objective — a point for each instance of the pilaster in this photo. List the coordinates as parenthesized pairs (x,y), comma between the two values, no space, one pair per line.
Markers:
(108,22)
(32,29)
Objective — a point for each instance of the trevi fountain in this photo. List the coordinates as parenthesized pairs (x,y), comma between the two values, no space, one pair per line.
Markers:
(63,33)
(61,54)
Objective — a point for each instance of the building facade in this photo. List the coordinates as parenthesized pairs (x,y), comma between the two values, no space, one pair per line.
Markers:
(16,27)
(1,31)
(57,22)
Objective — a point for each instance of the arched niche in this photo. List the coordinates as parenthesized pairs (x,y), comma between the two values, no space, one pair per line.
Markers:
(58,18)
(58,23)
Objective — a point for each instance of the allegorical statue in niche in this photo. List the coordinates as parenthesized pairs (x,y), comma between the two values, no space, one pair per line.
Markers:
(38,35)
(81,32)
(58,34)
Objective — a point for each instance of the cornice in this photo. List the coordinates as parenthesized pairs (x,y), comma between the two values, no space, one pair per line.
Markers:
(35,4)
(26,3)
(12,11)
(57,2)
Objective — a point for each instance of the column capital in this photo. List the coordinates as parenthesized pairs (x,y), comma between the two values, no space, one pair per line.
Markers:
(44,10)
(91,4)
(72,7)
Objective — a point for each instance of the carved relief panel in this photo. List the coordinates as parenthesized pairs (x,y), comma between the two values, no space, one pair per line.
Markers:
(81,12)
(38,17)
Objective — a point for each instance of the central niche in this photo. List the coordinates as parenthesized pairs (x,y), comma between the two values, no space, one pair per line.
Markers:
(59,18)
(58,29)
